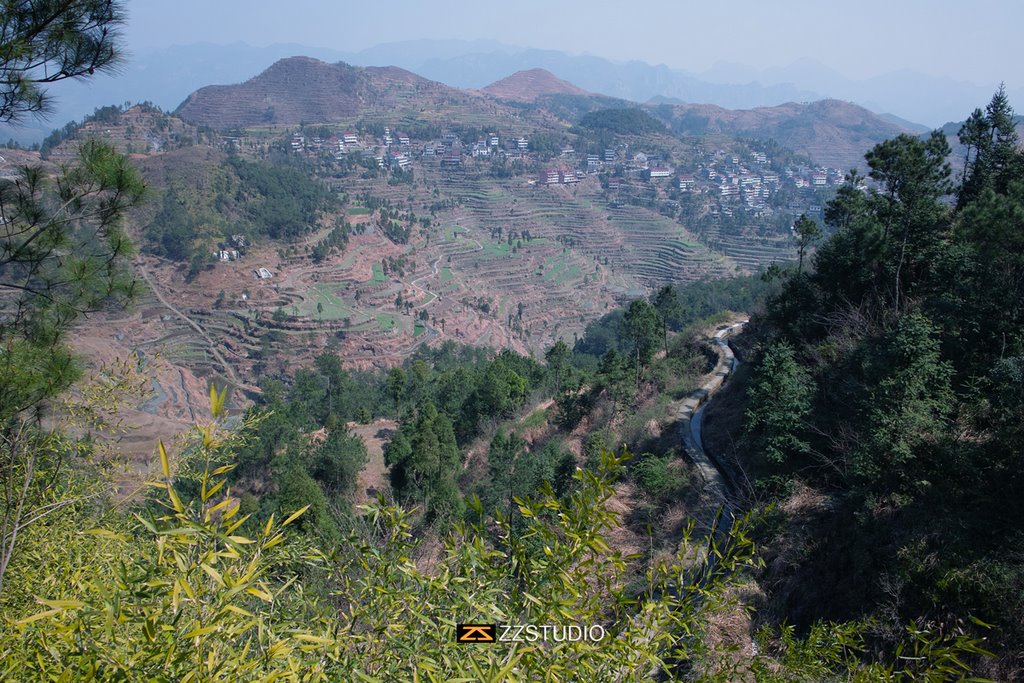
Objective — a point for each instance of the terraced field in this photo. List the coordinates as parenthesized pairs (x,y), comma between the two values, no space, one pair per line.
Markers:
(752,252)
(500,262)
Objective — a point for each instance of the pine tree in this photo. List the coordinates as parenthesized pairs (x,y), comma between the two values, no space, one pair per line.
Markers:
(46,41)
(992,136)
(641,324)
(807,233)
(779,401)
(63,249)
(667,303)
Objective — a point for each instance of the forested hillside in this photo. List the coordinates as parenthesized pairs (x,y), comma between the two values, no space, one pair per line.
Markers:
(888,381)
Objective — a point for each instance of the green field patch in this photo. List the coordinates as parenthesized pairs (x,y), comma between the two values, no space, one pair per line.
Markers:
(333,307)
(418,329)
(358,211)
(378,274)
(497,251)
(535,419)
(554,270)
(570,273)
(446,275)
(452,230)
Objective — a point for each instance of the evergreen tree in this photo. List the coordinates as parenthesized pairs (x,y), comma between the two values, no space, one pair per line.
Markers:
(807,233)
(338,461)
(424,460)
(997,158)
(557,358)
(46,41)
(63,249)
(641,326)
(779,402)
(669,308)
(914,176)
(908,396)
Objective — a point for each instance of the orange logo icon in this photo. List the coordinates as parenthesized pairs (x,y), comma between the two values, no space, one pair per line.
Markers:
(476,633)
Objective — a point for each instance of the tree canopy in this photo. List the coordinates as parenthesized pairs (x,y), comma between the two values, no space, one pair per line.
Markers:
(883,374)
(46,41)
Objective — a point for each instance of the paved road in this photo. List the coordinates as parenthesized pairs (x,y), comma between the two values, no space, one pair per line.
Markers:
(716,486)
(691,416)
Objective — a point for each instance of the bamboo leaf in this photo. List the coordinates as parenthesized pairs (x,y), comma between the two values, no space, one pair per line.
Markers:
(217,400)
(213,491)
(262,595)
(239,610)
(36,617)
(175,501)
(164,462)
(62,604)
(214,574)
(104,533)
(146,523)
(295,515)
(201,631)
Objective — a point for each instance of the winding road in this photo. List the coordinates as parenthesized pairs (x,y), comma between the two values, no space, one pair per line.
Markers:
(691,417)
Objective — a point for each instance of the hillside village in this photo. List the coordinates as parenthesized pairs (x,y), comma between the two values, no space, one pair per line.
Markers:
(751,183)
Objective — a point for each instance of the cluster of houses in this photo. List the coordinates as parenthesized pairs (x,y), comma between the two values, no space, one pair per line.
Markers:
(451,152)
(230,250)
(347,141)
(559,176)
(394,150)
(731,179)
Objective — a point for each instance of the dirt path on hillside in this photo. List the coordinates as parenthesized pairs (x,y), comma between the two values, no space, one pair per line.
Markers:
(229,371)
(373,478)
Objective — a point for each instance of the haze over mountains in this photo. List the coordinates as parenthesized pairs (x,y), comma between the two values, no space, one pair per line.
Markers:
(167,76)
(297,89)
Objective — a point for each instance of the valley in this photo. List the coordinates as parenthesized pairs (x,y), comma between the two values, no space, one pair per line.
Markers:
(438,220)
(720,383)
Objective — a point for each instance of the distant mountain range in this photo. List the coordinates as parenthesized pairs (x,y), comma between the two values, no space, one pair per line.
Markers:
(299,89)
(167,76)
(831,132)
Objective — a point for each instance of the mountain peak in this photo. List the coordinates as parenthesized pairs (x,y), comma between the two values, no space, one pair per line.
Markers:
(528,85)
(297,89)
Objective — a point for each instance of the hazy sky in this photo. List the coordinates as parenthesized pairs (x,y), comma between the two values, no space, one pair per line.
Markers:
(976,40)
